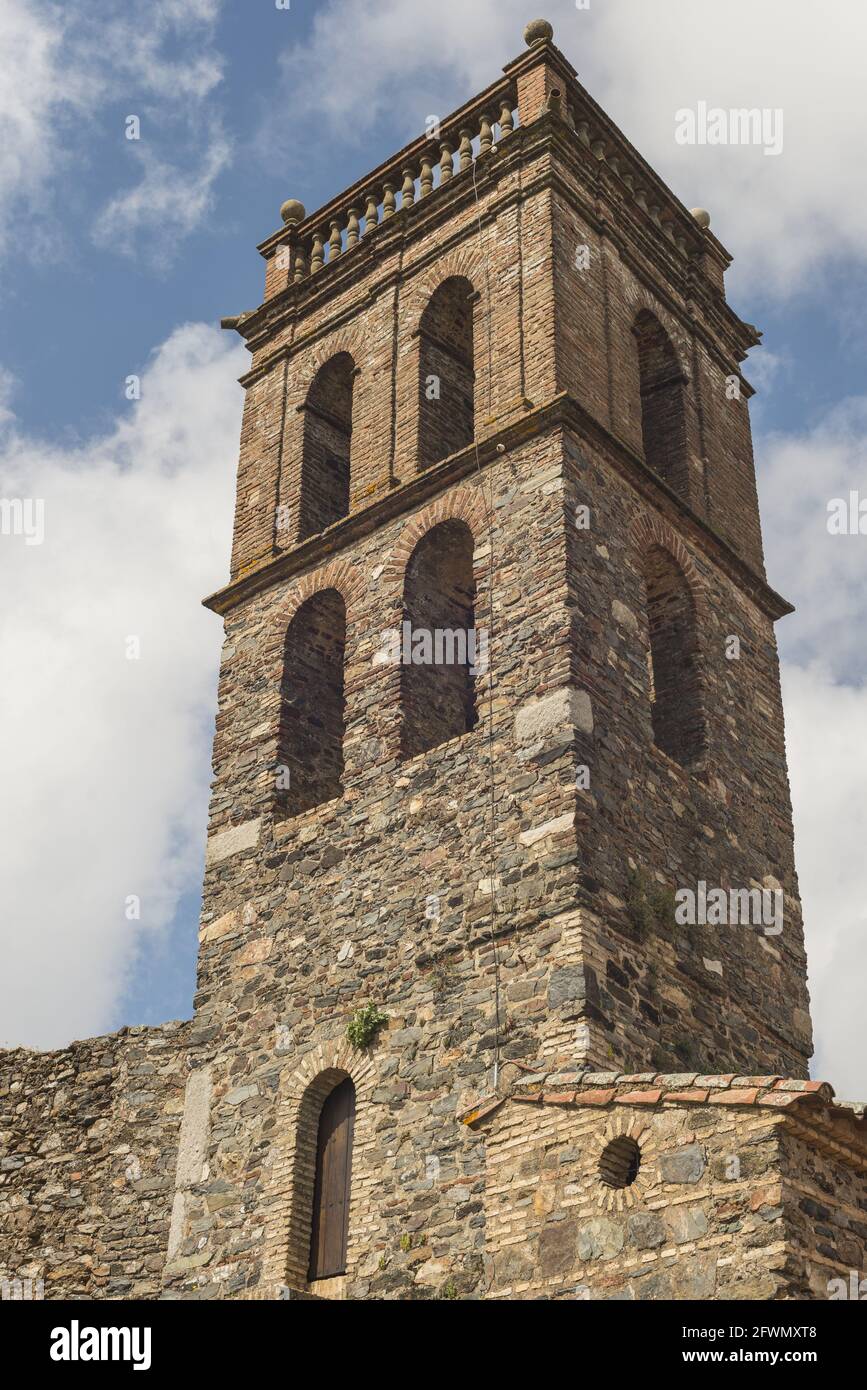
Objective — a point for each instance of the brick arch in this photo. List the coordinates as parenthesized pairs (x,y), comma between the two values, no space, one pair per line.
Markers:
(650,530)
(643,303)
(339,1058)
(288,1173)
(680,715)
(339,575)
(463,504)
(304,365)
(463,262)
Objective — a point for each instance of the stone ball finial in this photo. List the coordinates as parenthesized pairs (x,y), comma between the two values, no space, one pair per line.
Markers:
(702,217)
(538,31)
(292,211)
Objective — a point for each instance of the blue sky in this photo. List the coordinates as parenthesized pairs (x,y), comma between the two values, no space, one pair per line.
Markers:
(119,257)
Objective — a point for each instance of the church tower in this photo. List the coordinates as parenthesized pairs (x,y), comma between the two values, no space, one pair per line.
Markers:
(501,986)
(499,682)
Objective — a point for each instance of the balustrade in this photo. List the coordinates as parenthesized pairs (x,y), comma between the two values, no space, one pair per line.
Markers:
(314,242)
(419,172)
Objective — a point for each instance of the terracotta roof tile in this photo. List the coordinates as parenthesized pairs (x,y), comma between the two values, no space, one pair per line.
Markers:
(600,1088)
(651,1097)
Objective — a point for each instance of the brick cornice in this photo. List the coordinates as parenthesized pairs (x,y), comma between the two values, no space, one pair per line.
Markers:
(728,333)
(584,1087)
(562,410)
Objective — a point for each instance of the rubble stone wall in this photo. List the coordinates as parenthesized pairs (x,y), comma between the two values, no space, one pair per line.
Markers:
(88,1146)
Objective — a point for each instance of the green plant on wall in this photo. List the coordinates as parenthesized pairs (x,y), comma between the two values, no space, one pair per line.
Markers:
(649,905)
(443,975)
(687,1051)
(365,1024)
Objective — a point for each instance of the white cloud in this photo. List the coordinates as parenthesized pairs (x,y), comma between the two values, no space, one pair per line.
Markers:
(785,218)
(65,66)
(824,575)
(825,724)
(137,47)
(825,697)
(167,203)
(8,385)
(106,760)
(35,103)
(382,62)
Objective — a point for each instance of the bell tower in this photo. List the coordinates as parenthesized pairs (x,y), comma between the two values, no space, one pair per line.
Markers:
(499,682)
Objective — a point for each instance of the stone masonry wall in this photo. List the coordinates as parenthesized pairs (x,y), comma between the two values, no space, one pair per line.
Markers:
(660,993)
(88,1142)
(307,919)
(824,1173)
(713,1209)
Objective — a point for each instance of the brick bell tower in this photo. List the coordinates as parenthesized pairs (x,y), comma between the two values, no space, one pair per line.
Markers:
(480,711)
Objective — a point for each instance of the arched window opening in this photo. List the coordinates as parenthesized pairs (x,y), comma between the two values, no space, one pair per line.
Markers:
(675,686)
(326,448)
(663,415)
(330,1230)
(310,744)
(447,375)
(441,650)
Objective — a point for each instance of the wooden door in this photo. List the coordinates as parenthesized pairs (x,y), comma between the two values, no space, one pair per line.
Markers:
(331,1189)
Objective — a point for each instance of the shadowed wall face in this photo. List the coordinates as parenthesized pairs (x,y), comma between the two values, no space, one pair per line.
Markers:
(675,688)
(438,690)
(310,749)
(327,438)
(663,420)
(447,377)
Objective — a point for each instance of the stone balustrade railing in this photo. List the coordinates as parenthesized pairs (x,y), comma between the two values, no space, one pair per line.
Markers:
(412,176)
(307,244)
(648,194)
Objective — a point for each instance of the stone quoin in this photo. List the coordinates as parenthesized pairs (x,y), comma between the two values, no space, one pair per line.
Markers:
(558,1091)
